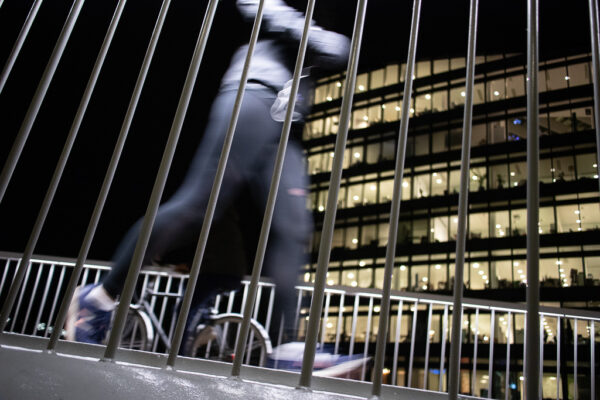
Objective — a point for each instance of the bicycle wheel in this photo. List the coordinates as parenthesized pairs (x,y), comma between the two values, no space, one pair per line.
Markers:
(216,341)
(137,333)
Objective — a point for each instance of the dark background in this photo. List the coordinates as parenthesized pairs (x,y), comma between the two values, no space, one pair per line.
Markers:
(564,29)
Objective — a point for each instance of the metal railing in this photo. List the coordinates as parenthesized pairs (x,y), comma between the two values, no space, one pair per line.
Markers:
(417,346)
(18,301)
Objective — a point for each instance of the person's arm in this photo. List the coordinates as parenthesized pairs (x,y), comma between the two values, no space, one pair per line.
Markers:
(327,49)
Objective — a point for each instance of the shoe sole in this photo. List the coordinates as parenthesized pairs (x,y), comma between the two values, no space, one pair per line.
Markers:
(72,316)
(343,369)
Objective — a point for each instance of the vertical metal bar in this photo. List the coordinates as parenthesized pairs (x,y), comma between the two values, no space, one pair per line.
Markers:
(354,322)
(226,325)
(558,358)
(541,390)
(524,351)
(594,30)
(593,360)
(19,43)
(176,306)
(575,386)
(97,277)
(507,377)
(44,298)
(110,172)
(163,309)
(332,198)
(145,284)
(32,297)
(133,335)
(251,334)
(209,345)
(367,337)
(61,277)
(270,308)
(279,338)
(4,274)
(476,339)
(25,281)
(84,278)
(395,207)
(325,315)
(533,235)
(298,308)
(244,299)
(397,343)
(274,187)
(340,321)
(461,237)
(426,367)
(491,354)
(157,191)
(244,295)
(412,344)
(443,350)
(156,287)
(30,117)
(268,321)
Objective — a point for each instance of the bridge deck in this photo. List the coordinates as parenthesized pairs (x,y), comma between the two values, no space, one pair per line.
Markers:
(75,372)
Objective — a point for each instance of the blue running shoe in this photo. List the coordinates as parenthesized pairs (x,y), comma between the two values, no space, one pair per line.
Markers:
(86,322)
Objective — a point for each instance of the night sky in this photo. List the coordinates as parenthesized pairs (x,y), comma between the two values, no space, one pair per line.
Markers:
(564,27)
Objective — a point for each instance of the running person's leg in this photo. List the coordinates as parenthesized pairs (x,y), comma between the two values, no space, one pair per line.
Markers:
(181,218)
(290,233)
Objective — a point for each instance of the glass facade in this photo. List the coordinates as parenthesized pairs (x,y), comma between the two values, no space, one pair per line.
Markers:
(496,256)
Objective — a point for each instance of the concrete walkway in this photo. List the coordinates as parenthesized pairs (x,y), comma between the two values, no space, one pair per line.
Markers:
(75,372)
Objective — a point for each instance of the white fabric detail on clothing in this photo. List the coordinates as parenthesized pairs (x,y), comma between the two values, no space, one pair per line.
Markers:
(279,107)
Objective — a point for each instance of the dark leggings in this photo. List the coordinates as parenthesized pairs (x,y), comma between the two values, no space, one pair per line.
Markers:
(250,165)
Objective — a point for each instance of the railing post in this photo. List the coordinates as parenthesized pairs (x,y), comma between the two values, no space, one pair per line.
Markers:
(427,340)
(475,343)
(575,369)
(354,322)
(443,350)
(532,348)
(461,237)
(508,334)
(316,306)
(397,342)
(491,354)
(541,376)
(395,207)
(340,321)
(14,53)
(593,360)
(411,356)
(558,324)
